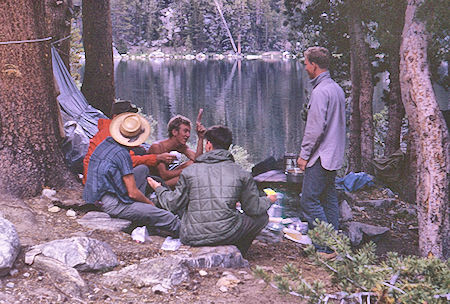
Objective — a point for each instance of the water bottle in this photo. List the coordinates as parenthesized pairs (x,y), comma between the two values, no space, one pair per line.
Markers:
(276,210)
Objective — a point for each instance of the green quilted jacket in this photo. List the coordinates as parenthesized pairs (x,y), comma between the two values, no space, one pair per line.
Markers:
(207,191)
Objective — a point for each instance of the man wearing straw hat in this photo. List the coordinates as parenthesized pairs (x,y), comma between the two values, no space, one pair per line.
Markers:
(116,187)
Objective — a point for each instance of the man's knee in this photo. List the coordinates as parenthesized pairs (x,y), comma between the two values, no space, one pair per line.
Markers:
(141,170)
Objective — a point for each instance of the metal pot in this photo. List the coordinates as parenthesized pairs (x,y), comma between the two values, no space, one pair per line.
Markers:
(295,178)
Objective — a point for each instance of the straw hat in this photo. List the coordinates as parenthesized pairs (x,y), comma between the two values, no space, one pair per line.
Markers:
(129,129)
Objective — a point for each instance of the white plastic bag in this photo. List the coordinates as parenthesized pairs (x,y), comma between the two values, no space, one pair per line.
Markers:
(171,244)
(140,235)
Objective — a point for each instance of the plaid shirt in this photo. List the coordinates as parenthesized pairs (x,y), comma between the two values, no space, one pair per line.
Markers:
(107,166)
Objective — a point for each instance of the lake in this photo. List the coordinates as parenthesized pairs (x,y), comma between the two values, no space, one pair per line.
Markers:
(260,101)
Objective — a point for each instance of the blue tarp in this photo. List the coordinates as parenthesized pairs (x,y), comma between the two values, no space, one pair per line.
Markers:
(72,101)
(354,181)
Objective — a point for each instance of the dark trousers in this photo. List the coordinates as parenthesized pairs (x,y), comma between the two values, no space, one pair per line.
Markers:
(319,197)
(250,228)
(141,213)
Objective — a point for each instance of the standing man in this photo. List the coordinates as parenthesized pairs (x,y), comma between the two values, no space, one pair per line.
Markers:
(323,144)
(117,188)
(179,129)
(208,191)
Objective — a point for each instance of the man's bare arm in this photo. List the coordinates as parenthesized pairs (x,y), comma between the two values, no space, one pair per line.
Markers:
(133,192)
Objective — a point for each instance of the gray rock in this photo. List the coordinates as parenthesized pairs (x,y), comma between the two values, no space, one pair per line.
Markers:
(160,289)
(9,246)
(356,231)
(167,271)
(102,221)
(379,203)
(82,253)
(214,256)
(64,277)
(389,192)
(350,197)
(345,212)
(269,236)
(411,210)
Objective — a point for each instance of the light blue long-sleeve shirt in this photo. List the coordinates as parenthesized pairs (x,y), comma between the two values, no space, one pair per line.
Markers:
(324,135)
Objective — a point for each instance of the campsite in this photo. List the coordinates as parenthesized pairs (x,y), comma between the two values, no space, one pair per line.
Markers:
(249,77)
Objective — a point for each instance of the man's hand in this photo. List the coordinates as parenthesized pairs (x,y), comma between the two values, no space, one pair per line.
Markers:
(273,198)
(302,163)
(152,183)
(200,129)
(165,157)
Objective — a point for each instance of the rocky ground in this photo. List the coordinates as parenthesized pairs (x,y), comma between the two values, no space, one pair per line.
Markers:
(37,222)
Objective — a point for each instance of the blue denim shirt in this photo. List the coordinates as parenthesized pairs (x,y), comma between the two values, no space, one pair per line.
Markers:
(107,165)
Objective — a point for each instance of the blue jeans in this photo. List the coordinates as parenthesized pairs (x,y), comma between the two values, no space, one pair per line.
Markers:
(319,197)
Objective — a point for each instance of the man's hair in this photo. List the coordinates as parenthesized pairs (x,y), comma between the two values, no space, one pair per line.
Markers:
(123,106)
(318,55)
(220,137)
(175,123)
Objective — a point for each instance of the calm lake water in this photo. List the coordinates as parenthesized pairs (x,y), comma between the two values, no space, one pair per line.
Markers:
(259,100)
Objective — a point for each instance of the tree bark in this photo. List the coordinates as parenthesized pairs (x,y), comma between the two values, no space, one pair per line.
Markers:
(396,111)
(98,81)
(30,156)
(354,148)
(366,87)
(58,19)
(431,137)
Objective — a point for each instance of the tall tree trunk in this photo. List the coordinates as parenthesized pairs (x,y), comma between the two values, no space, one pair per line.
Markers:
(396,111)
(354,148)
(30,156)
(58,19)
(98,81)
(366,87)
(432,196)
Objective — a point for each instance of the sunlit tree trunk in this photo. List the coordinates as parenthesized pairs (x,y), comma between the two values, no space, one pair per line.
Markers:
(98,81)
(30,154)
(431,137)
(58,17)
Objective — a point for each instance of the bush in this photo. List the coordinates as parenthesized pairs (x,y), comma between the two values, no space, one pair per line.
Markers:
(398,279)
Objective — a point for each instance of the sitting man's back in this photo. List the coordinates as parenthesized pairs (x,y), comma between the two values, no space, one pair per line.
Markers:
(207,193)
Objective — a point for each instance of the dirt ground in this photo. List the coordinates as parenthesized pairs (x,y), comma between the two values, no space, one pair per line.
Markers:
(33,286)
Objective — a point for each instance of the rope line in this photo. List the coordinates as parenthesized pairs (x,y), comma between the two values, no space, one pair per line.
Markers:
(25,41)
(55,42)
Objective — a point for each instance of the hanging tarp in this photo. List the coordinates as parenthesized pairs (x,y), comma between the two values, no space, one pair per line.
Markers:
(73,104)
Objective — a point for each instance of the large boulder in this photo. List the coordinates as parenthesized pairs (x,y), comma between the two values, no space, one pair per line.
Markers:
(167,271)
(9,246)
(81,253)
(214,256)
(64,277)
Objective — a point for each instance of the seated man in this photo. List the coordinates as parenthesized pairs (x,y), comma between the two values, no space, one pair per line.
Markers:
(208,192)
(123,106)
(115,186)
(179,128)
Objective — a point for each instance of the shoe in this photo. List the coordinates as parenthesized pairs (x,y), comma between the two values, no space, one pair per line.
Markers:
(327,256)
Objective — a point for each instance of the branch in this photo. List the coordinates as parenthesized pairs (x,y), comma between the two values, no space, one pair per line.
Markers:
(347,278)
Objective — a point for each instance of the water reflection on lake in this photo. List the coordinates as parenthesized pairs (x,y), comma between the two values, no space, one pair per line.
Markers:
(259,100)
